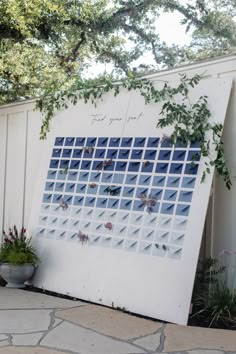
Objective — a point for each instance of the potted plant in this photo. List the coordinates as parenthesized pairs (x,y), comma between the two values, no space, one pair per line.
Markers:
(18,259)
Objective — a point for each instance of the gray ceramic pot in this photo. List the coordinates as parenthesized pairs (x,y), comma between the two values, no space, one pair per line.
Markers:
(16,275)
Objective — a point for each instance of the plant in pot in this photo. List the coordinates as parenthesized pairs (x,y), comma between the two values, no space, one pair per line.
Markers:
(18,259)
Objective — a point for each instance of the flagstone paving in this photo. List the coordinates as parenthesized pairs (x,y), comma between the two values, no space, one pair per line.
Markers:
(16,299)
(186,338)
(107,321)
(33,323)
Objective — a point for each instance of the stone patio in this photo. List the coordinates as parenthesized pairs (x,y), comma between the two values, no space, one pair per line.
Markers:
(33,323)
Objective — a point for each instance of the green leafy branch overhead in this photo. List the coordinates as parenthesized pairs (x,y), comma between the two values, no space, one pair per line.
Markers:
(189,121)
(46,44)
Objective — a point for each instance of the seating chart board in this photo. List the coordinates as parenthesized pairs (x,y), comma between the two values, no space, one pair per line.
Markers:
(118,204)
(130,194)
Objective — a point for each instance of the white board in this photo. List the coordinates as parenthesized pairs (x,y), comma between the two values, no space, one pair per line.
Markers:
(118,213)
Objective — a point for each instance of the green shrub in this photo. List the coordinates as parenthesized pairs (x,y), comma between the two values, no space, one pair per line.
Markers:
(206,275)
(217,307)
(214,303)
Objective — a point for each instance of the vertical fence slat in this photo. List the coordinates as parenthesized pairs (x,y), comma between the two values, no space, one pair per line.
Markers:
(3,139)
(33,153)
(15,169)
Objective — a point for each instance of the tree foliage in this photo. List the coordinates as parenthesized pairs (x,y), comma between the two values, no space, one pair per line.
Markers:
(46,44)
(214,27)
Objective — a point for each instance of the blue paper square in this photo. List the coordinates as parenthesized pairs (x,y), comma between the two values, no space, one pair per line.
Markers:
(102,142)
(133,166)
(179,155)
(59,187)
(136,154)
(194,155)
(138,205)
(118,178)
(113,203)
(176,168)
(182,209)
(170,195)
(91,141)
(159,181)
(74,165)
(150,154)
(128,192)
(156,193)
(167,208)
(141,190)
(173,181)
(77,153)
(56,152)
(121,166)
(131,179)
(191,169)
(124,153)
(84,176)
(188,182)
(92,189)
(59,141)
(139,142)
(164,155)
(90,201)
(147,167)
(49,186)
(196,144)
(114,142)
(162,167)
(80,141)
(69,141)
(70,187)
(68,199)
(57,198)
(95,176)
(185,196)
(51,174)
(47,198)
(72,175)
(66,153)
(166,142)
(107,177)
(145,180)
(101,202)
(111,153)
(86,165)
(126,204)
(78,200)
(54,163)
(64,164)
(153,142)
(100,153)
(126,142)
(81,188)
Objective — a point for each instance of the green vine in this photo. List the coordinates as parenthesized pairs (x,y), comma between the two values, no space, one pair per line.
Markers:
(190,121)
(92,90)
(191,124)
